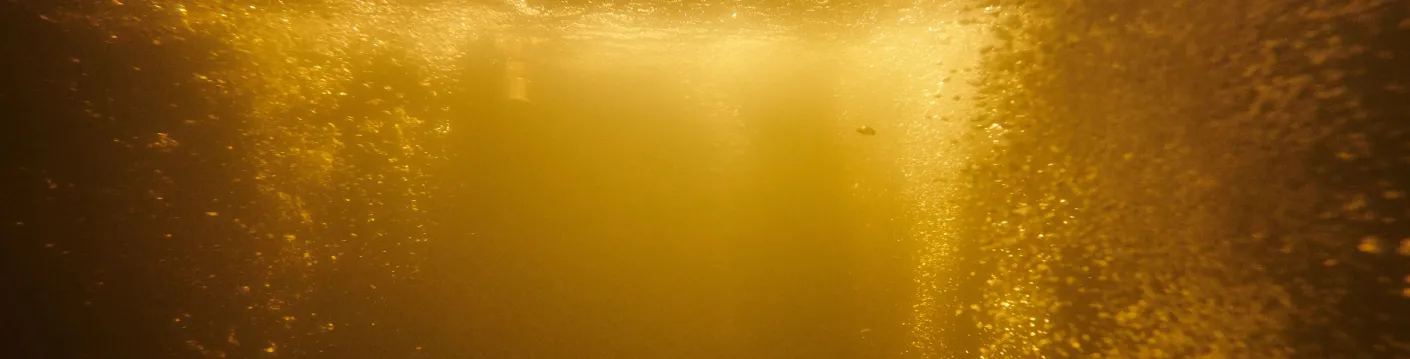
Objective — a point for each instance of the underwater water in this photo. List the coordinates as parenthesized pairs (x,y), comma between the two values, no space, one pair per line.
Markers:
(706,179)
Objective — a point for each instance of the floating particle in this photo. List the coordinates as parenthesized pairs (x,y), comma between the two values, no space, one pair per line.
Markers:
(865,130)
(1370,245)
(163,142)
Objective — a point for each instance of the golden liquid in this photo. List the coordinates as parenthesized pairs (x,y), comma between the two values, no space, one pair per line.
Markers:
(968,179)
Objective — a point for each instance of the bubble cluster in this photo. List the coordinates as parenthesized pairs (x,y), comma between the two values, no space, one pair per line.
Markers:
(1189,179)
